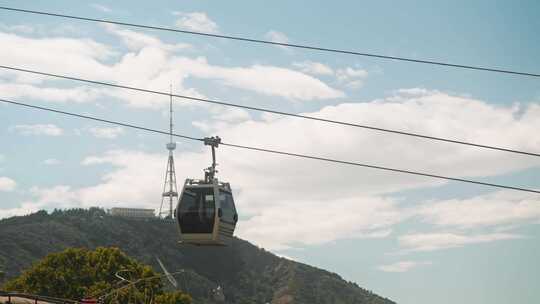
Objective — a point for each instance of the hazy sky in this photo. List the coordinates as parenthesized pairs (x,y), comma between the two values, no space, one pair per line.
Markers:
(414,240)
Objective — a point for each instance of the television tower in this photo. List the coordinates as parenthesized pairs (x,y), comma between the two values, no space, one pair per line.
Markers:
(170,190)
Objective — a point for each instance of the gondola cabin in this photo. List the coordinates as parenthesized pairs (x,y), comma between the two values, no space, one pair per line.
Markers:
(206,214)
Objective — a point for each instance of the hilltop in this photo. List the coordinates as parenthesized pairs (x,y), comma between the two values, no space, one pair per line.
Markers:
(246,273)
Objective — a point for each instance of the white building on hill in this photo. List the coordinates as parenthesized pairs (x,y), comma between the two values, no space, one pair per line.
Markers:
(132,212)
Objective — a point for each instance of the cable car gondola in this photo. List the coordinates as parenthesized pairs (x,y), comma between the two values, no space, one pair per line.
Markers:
(206,214)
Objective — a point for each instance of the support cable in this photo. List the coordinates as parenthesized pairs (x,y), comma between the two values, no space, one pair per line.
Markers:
(268,42)
(257,149)
(265,110)
(98,119)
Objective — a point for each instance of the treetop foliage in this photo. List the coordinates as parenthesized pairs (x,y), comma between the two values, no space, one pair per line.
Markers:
(77,273)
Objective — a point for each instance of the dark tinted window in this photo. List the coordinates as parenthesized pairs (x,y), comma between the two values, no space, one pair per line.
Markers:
(197,210)
(227,206)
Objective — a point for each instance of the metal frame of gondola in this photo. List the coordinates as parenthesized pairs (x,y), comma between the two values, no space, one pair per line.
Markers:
(210,179)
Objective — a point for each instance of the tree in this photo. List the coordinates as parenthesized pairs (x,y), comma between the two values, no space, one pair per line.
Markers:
(77,273)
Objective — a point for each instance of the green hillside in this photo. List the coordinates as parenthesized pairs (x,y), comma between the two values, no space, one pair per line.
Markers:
(246,273)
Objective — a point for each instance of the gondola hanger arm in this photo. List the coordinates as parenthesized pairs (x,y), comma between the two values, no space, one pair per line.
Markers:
(210,172)
(213,141)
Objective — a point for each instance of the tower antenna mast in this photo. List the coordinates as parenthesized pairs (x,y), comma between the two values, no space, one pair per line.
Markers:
(170,114)
(170,190)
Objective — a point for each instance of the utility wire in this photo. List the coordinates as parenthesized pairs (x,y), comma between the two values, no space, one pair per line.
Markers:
(379,167)
(300,46)
(318,158)
(228,104)
(98,119)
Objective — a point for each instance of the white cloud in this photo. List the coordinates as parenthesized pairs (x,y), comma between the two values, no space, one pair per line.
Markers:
(196,21)
(5,213)
(143,191)
(45,198)
(76,94)
(350,77)
(82,52)
(276,36)
(494,209)
(267,80)
(136,41)
(83,56)
(438,241)
(281,82)
(61,196)
(147,67)
(499,212)
(414,92)
(105,132)
(222,118)
(231,114)
(287,223)
(314,68)
(149,64)
(151,68)
(352,73)
(51,162)
(20,28)
(137,192)
(40,29)
(7,184)
(402,266)
(101,7)
(38,129)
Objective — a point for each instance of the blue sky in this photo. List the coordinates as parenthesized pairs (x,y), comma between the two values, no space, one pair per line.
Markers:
(411,239)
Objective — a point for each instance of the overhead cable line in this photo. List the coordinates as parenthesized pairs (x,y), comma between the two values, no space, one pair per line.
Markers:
(98,119)
(318,158)
(268,42)
(259,109)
